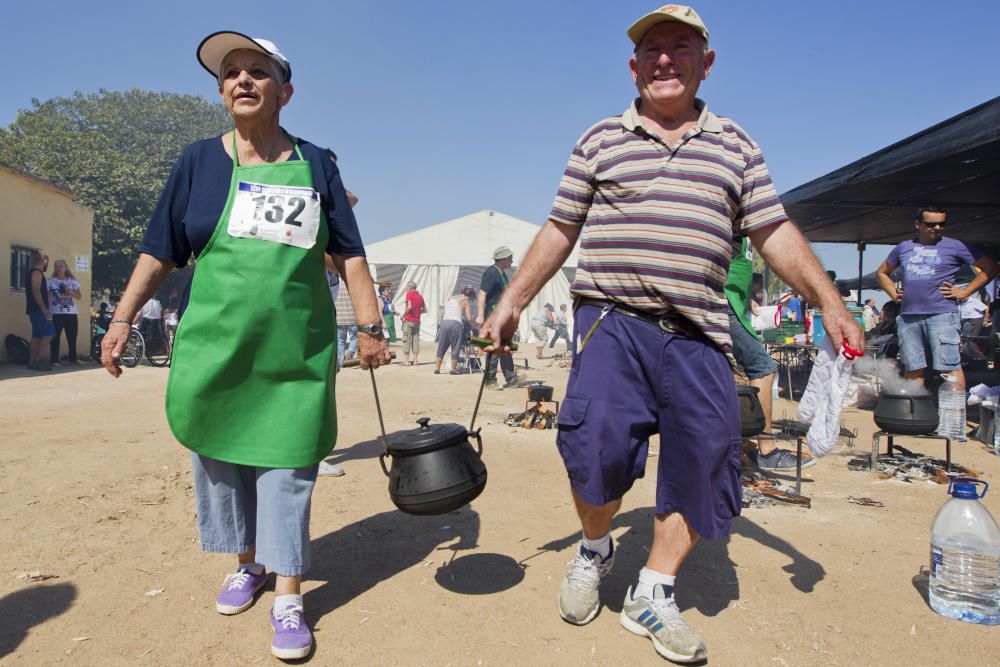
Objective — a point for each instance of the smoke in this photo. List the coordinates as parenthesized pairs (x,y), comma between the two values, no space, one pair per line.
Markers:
(889,376)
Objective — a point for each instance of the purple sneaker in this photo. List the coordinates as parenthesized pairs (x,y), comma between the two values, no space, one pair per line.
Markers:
(292,639)
(238,591)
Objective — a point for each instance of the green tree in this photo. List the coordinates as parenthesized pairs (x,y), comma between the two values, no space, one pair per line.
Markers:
(113,151)
(773,286)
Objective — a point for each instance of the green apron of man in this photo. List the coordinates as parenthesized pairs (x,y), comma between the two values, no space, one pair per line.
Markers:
(738,283)
(252,376)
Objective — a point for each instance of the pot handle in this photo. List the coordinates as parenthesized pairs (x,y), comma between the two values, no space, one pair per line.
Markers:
(381,424)
(479,441)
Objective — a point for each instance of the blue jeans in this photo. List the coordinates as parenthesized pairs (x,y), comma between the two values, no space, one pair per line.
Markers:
(749,352)
(241,507)
(939,333)
(348,342)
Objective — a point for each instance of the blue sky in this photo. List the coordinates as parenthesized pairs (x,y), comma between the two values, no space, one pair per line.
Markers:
(441,108)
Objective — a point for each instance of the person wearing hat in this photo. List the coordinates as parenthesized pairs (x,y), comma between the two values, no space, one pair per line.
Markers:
(656,194)
(491,288)
(251,388)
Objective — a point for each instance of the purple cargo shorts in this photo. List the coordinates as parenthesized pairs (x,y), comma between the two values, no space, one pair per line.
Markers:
(631,381)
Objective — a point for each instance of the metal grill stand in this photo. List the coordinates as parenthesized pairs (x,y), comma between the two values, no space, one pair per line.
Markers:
(798,453)
(876,446)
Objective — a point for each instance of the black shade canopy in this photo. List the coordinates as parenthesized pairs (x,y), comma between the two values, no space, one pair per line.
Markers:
(954,164)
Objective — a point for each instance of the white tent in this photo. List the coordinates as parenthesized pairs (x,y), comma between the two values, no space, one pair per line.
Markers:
(443,258)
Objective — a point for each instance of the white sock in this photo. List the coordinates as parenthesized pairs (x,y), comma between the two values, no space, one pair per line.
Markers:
(283,602)
(601,547)
(648,579)
(252,568)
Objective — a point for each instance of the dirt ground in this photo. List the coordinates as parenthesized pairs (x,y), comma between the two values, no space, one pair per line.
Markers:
(101,563)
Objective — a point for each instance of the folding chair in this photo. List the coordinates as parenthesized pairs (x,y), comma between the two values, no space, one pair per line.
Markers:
(468,362)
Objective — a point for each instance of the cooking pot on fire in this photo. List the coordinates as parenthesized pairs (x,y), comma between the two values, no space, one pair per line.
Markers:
(435,468)
(540,392)
(906,412)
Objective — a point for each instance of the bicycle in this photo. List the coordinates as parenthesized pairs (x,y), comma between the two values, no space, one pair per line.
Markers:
(157,343)
(135,347)
(157,351)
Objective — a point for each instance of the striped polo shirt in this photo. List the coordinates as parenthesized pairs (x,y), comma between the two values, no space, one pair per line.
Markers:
(660,222)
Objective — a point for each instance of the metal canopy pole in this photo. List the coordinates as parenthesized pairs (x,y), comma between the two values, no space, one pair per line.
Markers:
(861,254)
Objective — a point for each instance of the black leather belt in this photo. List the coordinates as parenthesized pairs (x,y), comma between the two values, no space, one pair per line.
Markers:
(672,322)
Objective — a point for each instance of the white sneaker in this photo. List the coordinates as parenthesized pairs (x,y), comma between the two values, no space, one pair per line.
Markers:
(328,470)
(579,600)
(660,620)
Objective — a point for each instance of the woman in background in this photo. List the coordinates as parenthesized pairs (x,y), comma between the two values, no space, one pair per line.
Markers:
(457,312)
(64,292)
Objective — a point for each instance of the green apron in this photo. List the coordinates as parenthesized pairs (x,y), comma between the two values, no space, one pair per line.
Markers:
(252,376)
(738,282)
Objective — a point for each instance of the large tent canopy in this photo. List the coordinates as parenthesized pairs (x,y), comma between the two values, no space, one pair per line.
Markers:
(443,258)
(954,164)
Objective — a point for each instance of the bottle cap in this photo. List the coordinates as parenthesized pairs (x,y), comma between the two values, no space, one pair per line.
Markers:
(965,488)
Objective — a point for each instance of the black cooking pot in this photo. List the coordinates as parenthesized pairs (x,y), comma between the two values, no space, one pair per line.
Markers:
(752,418)
(539,392)
(434,468)
(906,412)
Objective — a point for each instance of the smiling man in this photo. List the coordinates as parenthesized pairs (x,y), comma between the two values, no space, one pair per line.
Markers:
(658,195)
(928,316)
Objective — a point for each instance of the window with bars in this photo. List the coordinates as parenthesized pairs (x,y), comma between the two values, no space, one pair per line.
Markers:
(20,262)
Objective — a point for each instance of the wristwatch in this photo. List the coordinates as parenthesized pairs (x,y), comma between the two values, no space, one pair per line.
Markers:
(371,329)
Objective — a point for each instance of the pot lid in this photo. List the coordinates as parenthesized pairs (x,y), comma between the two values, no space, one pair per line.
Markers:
(427,437)
(905,393)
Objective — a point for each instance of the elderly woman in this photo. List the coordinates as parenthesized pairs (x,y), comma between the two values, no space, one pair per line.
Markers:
(251,390)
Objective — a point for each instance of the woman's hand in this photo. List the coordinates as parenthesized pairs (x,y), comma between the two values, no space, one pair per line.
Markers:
(112,346)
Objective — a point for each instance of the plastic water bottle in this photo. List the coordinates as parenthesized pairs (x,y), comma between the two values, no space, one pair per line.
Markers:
(951,409)
(996,426)
(965,557)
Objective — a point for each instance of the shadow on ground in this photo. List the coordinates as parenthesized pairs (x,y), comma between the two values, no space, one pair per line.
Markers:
(367,449)
(708,580)
(361,555)
(28,607)
(921,583)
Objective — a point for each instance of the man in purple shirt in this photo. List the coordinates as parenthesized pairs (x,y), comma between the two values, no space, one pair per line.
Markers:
(928,317)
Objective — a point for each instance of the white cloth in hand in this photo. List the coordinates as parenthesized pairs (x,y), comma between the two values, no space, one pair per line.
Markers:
(823,399)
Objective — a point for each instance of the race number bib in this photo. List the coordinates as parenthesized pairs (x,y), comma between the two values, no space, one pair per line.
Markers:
(275,213)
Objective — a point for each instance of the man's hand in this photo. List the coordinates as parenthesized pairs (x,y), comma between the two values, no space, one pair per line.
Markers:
(112,346)
(899,295)
(373,351)
(950,291)
(841,326)
(500,327)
